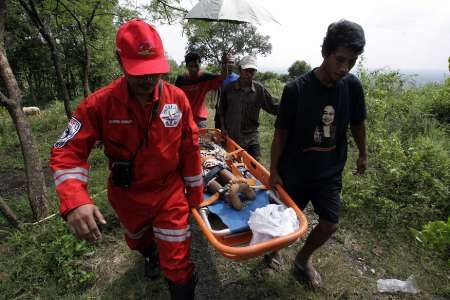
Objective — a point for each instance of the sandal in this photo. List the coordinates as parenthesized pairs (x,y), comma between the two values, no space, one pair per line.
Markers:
(313,280)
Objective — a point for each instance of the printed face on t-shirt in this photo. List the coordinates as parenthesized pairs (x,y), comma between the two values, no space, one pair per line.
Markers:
(328,115)
(324,135)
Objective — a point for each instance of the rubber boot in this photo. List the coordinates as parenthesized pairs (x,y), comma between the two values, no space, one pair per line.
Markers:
(185,291)
(152,270)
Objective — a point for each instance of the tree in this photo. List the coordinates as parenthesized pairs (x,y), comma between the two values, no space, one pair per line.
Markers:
(213,39)
(85,14)
(41,21)
(298,68)
(36,188)
(166,11)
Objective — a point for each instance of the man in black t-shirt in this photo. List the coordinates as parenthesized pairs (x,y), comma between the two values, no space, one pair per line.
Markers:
(309,148)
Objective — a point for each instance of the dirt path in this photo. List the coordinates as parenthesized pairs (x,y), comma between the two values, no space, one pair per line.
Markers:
(346,273)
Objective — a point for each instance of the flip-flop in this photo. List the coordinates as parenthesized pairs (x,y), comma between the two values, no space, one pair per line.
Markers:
(274,262)
(314,281)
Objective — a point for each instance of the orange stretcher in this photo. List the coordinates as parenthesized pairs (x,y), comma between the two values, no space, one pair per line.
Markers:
(236,246)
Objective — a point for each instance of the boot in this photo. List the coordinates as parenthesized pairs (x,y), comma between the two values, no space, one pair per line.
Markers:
(152,270)
(185,291)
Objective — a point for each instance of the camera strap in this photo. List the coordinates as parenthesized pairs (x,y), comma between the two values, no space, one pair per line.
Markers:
(149,126)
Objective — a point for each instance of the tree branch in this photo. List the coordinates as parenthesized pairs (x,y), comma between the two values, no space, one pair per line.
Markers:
(88,23)
(180,9)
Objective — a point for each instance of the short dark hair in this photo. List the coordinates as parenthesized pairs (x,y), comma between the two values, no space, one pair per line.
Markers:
(192,56)
(344,33)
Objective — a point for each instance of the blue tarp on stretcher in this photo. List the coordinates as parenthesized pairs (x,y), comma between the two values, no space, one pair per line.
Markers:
(237,220)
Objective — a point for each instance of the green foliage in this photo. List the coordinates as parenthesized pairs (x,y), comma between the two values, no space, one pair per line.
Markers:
(435,100)
(265,76)
(46,256)
(435,236)
(212,39)
(175,71)
(298,68)
(73,25)
(409,176)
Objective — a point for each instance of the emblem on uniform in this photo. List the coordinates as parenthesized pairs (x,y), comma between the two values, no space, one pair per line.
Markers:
(71,130)
(170,115)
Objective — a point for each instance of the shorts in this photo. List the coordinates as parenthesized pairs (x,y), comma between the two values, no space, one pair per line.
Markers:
(325,197)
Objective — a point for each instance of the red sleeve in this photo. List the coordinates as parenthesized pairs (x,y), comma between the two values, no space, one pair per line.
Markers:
(215,83)
(68,157)
(190,156)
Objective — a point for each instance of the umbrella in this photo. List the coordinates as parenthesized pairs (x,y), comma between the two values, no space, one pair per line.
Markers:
(239,11)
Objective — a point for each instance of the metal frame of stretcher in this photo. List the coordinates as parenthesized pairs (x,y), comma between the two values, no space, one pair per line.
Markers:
(236,246)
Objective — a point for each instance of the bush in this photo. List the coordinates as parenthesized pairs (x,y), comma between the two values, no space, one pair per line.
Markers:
(46,256)
(435,236)
(437,101)
(409,176)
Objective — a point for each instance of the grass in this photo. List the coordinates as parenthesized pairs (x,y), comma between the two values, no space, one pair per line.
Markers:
(45,262)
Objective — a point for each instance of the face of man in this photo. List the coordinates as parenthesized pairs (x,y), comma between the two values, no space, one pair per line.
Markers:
(228,63)
(338,63)
(193,67)
(142,86)
(246,76)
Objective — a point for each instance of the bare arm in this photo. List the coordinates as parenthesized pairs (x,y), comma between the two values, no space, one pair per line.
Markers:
(270,103)
(359,135)
(278,144)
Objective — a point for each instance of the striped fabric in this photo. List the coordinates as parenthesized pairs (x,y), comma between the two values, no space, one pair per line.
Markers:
(172,235)
(193,181)
(75,173)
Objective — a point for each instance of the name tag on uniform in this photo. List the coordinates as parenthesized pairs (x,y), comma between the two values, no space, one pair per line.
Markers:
(120,121)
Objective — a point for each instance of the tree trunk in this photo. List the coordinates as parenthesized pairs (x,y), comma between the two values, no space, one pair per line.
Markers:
(31,87)
(36,188)
(64,92)
(46,33)
(9,214)
(86,69)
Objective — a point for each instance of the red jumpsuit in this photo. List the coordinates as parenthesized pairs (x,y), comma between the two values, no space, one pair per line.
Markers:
(166,170)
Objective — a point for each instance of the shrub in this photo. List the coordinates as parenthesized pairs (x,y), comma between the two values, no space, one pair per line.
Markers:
(435,236)
(45,256)
(409,176)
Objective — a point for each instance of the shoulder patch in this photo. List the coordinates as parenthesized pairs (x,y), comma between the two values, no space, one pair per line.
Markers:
(170,115)
(71,130)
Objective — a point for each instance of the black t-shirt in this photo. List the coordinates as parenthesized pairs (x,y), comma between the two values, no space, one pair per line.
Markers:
(317,118)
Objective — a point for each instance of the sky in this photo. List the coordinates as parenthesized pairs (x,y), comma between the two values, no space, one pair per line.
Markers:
(400,34)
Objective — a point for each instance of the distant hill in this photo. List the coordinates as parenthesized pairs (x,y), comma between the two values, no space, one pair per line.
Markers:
(420,76)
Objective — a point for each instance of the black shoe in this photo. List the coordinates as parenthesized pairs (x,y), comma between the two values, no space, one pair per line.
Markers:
(185,291)
(151,268)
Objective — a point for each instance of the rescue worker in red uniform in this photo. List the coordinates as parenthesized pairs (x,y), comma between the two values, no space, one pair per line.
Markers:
(151,140)
(196,84)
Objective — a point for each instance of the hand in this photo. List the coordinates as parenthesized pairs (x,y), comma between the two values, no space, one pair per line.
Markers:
(361,165)
(82,222)
(275,179)
(224,136)
(194,196)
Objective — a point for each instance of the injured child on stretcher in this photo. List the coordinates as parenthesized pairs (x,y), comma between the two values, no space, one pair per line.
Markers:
(217,176)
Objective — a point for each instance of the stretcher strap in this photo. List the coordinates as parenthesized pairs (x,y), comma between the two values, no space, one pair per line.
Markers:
(233,153)
(210,200)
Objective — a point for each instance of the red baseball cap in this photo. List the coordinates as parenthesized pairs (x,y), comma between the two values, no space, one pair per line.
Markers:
(140,49)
